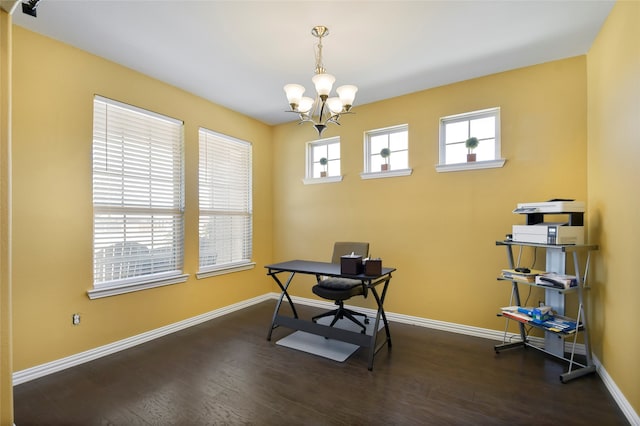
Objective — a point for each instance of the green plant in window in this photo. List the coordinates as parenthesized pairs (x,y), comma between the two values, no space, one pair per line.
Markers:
(323,163)
(385,153)
(471,144)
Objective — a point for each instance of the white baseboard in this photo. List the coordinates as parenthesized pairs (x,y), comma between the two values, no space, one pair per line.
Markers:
(33,373)
(495,335)
(618,396)
(450,327)
(38,371)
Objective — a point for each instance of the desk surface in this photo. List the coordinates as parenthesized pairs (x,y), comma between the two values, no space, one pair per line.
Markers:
(321,268)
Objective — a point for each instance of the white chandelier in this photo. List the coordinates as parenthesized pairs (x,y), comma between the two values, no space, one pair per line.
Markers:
(323,109)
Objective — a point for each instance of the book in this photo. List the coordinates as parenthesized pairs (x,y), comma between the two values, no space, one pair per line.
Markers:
(560,324)
(527,277)
(527,310)
(520,317)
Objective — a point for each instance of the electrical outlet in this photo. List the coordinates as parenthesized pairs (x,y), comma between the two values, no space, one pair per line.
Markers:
(75,319)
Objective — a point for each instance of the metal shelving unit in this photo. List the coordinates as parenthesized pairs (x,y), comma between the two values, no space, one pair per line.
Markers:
(554,342)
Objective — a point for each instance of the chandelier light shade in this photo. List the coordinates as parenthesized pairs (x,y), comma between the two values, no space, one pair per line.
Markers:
(322,109)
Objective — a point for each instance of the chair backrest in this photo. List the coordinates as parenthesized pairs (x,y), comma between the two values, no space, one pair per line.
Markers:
(342,248)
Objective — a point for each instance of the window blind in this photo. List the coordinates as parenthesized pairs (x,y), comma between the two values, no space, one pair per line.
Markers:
(225,194)
(137,194)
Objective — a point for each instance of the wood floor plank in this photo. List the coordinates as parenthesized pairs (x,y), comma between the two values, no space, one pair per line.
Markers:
(225,372)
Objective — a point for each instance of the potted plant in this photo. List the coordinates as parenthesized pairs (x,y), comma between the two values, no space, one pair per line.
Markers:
(471,144)
(323,163)
(385,153)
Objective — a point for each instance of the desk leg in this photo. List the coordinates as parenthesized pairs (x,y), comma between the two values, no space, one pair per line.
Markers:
(380,314)
(282,295)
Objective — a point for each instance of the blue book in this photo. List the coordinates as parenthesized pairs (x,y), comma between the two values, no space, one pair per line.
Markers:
(564,325)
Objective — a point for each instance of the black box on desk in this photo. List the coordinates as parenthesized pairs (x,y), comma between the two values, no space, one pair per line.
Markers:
(351,264)
(373,267)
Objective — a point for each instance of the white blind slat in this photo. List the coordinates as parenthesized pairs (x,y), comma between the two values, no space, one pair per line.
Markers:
(137,193)
(225,191)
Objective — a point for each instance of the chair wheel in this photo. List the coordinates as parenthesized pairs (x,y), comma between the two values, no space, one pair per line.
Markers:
(366,320)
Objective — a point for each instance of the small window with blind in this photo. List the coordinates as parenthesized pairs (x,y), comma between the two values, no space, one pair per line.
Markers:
(138,201)
(470,141)
(226,211)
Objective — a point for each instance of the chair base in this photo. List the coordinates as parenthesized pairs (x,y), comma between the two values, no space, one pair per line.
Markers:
(342,312)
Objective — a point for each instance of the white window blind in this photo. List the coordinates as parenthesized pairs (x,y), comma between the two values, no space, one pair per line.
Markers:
(225,190)
(137,195)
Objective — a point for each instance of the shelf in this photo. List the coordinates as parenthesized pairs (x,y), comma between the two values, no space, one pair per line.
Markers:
(554,339)
(562,247)
(544,287)
(525,319)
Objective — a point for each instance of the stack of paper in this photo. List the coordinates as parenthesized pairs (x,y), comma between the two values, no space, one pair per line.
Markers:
(526,277)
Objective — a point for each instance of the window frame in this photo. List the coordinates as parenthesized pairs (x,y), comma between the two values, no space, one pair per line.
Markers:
(127,141)
(310,164)
(368,173)
(241,151)
(496,162)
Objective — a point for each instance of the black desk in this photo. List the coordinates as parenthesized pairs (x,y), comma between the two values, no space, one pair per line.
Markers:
(318,269)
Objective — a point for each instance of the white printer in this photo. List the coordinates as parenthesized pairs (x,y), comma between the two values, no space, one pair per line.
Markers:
(551,207)
(538,231)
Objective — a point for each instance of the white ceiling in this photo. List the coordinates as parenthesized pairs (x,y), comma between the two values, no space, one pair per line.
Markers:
(240,54)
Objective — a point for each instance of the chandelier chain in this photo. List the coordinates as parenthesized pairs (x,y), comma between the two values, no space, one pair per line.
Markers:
(324,109)
(319,65)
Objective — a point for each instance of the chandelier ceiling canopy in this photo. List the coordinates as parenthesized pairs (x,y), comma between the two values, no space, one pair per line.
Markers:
(323,109)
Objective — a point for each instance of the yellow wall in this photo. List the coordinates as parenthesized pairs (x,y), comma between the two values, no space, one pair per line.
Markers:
(6,394)
(439,229)
(613,69)
(54,85)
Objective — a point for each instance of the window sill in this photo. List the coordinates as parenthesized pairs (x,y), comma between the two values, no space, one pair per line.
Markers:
(386,174)
(227,269)
(98,293)
(474,165)
(328,179)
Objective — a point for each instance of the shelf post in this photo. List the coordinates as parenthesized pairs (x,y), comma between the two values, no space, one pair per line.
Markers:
(556,262)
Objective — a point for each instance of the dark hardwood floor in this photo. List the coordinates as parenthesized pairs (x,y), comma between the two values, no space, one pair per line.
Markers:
(225,372)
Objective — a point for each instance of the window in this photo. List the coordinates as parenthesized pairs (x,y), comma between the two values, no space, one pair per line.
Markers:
(137,199)
(323,161)
(225,225)
(386,152)
(456,129)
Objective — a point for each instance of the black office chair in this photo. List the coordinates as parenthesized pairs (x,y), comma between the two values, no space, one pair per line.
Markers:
(340,289)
